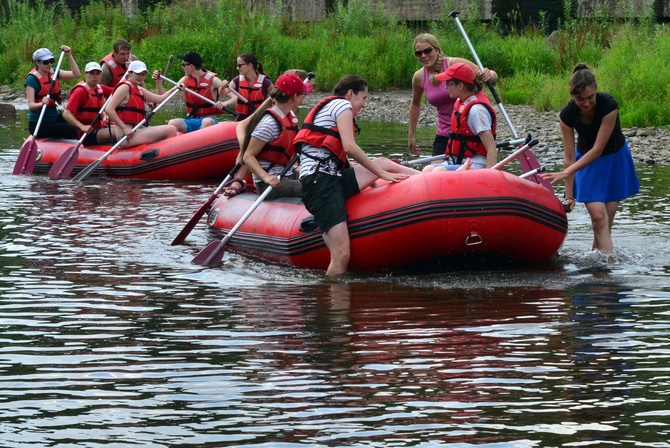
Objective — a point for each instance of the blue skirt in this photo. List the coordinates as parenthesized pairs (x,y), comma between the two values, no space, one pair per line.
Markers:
(608,178)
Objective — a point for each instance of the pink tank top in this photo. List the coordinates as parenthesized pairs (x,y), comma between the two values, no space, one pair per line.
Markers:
(438,96)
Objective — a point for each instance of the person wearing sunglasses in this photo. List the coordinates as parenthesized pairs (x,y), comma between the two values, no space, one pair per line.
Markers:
(428,51)
(197,79)
(252,84)
(37,85)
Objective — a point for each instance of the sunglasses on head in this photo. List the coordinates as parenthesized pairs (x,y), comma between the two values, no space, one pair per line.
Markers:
(425,51)
(48,61)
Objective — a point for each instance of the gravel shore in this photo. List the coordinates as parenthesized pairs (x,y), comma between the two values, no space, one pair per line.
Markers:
(648,145)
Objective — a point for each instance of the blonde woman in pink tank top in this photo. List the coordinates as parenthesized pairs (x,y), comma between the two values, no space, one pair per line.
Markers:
(428,51)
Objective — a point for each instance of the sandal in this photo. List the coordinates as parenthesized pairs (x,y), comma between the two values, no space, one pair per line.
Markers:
(230,190)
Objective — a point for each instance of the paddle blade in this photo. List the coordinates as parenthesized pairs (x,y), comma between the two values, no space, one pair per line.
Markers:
(25,162)
(83,174)
(193,221)
(528,163)
(63,167)
(211,255)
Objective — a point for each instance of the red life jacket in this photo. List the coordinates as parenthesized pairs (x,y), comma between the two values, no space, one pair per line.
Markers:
(461,137)
(132,112)
(253,93)
(280,150)
(321,137)
(118,70)
(95,98)
(45,82)
(195,106)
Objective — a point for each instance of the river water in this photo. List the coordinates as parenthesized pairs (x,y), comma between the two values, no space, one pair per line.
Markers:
(111,337)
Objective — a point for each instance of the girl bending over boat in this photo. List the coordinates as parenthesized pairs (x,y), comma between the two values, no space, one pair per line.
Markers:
(599,170)
(327,138)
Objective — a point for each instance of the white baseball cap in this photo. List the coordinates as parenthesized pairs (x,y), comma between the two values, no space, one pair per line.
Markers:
(92,66)
(43,54)
(137,67)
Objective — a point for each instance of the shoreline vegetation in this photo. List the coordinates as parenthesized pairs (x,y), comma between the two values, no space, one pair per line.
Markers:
(534,66)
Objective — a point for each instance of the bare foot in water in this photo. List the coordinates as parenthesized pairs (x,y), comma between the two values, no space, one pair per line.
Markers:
(466,165)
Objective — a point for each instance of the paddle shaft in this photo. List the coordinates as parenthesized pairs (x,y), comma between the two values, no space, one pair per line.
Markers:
(528,160)
(440,157)
(89,169)
(27,156)
(204,98)
(514,155)
(190,225)
(239,95)
(213,254)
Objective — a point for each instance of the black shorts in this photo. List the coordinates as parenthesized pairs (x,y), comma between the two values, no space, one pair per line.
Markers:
(440,145)
(324,196)
(92,138)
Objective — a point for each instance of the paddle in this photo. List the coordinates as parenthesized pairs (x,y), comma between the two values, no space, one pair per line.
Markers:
(213,253)
(25,162)
(83,174)
(239,95)
(528,160)
(190,225)
(423,160)
(515,154)
(63,167)
(232,112)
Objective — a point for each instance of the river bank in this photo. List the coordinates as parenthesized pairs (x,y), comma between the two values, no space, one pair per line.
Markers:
(648,145)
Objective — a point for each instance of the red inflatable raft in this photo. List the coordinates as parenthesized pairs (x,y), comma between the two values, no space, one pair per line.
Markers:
(479,213)
(204,154)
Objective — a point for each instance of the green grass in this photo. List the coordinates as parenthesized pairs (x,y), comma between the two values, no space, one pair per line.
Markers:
(627,56)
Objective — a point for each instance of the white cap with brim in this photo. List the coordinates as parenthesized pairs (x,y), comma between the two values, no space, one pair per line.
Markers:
(137,67)
(91,66)
(43,54)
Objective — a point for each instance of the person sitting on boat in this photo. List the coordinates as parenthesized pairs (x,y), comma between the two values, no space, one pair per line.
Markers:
(38,82)
(473,123)
(115,64)
(252,84)
(327,140)
(126,109)
(86,100)
(268,141)
(201,113)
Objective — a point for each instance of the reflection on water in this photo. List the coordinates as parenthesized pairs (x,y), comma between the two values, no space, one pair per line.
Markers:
(110,337)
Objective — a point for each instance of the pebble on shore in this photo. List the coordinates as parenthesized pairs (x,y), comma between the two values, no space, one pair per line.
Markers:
(647,145)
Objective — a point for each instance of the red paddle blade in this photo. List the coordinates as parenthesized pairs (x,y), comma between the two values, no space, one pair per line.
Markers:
(211,255)
(193,221)
(63,167)
(25,162)
(528,163)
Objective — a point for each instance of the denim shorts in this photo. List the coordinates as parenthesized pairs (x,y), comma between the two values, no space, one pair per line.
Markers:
(195,123)
(324,196)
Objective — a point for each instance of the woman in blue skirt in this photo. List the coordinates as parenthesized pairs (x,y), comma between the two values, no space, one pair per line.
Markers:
(599,171)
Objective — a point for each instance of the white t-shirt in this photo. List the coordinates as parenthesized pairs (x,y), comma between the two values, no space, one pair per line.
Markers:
(266,131)
(327,118)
